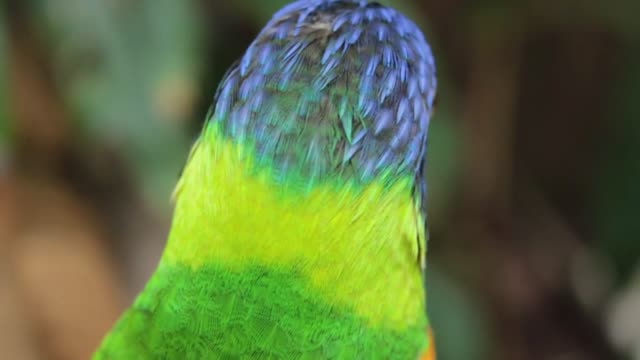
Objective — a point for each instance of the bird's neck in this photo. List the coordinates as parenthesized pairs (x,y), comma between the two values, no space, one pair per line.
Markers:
(356,247)
(298,229)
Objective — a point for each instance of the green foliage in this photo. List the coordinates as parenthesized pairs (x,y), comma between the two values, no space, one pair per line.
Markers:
(618,193)
(129,72)
(260,11)
(442,154)
(458,319)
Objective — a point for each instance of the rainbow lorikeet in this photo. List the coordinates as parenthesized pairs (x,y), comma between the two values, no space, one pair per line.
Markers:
(299,228)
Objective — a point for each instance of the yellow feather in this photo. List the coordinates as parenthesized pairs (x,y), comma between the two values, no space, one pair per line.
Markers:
(358,247)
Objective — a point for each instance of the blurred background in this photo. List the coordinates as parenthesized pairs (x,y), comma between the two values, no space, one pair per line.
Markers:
(533,166)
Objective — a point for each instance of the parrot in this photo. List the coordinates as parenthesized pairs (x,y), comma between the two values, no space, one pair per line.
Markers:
(299,228)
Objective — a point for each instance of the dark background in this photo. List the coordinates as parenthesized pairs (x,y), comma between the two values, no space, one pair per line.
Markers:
(533,166)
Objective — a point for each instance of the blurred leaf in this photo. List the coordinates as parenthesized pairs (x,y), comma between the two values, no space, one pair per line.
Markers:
(458,321)
(618,193)
(259,11)
(442,155)
(129,71)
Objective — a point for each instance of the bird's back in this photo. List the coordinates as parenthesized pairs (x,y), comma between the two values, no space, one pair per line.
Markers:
(299,227)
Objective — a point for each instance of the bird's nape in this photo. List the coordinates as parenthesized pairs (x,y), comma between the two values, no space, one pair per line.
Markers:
(299,228)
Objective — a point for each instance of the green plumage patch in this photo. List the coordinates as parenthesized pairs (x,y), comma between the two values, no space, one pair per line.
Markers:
(258,313)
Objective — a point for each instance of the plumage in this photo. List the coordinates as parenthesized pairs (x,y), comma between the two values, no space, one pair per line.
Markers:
(299,229)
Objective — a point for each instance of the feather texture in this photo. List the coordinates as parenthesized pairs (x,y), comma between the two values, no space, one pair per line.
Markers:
(323,71)
(299,228)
